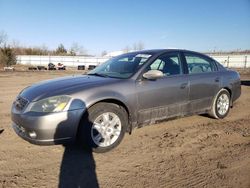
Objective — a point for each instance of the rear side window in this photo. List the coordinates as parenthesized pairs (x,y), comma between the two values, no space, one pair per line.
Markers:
(198,64)
(169,64)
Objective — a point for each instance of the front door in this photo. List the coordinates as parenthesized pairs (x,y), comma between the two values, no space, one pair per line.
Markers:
(164,97)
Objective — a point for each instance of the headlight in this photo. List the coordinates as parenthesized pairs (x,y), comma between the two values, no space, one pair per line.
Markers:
(51,104)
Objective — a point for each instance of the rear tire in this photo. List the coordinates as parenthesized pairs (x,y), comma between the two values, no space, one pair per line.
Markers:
(102,127)
(221,105)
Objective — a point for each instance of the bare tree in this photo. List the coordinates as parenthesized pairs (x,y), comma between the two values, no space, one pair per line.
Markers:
(44,49)
(77,49)
(61,50)
(138,46)
(3,38)
(126,49)
(7,54)
(135,47)
(104,53)
(15,44)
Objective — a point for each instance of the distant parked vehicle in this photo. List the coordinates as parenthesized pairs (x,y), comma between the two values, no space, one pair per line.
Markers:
(51,66)
(60,66)
(41,68)
(127,91)
(32,68)
(8,68)
(91,67)
(81,67)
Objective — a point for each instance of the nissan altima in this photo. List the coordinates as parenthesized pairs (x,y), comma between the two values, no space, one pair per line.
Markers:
(127,91)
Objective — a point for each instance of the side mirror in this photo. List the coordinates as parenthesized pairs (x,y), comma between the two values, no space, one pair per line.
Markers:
(153,74)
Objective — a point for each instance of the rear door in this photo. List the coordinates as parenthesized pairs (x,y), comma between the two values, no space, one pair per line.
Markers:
(164,97)
(204,81)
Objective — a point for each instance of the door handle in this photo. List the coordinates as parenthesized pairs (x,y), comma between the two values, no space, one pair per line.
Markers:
(184,85)
(217,79)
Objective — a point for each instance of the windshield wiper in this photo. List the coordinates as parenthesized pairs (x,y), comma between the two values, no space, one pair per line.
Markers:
(98,74)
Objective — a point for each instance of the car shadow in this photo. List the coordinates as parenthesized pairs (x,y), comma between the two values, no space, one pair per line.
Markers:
(245,82)
(78,168)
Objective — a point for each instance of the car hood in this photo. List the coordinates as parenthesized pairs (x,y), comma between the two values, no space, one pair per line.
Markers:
(63,86)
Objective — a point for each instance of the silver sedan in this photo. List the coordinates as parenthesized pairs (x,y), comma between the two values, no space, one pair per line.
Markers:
(128,91)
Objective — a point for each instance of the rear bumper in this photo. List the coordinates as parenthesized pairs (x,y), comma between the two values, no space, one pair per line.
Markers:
(47,129)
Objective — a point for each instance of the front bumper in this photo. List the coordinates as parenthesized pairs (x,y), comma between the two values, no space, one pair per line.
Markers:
(47,129)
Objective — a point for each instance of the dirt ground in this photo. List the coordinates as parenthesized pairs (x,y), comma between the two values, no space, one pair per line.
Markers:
(194,151)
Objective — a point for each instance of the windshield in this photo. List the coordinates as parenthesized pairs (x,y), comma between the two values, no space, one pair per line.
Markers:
(122,66)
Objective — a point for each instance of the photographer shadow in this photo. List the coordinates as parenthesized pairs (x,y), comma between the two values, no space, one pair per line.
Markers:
(78,168)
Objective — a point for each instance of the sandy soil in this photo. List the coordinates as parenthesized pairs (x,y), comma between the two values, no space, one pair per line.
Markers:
(195,151)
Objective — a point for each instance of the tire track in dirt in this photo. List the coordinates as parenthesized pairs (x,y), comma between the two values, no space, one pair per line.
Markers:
(211,171)
(193,151)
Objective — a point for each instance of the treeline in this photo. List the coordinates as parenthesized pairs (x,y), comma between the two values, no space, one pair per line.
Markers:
(43,50)
(75,49)
(231,52)
(9,51)
(7,54)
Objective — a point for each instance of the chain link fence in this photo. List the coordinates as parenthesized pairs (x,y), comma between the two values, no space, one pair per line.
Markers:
(234,61)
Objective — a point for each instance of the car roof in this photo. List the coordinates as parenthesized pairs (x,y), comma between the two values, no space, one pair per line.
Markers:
(159,51)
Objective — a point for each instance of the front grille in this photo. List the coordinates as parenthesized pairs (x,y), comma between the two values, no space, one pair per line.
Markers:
(20,103)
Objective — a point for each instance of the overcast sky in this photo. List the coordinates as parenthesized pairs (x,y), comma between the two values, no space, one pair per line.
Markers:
(114,24)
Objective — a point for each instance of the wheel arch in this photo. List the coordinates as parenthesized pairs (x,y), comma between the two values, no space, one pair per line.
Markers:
(112,101)
(230,92)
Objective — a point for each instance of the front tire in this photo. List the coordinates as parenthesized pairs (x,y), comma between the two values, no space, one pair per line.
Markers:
(221,105)
(103,127)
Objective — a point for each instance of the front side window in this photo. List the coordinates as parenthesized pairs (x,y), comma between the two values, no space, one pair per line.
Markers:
(122,66)
(169,64)
(197,64)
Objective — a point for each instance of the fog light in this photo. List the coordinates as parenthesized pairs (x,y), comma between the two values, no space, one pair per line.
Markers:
(32,134)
